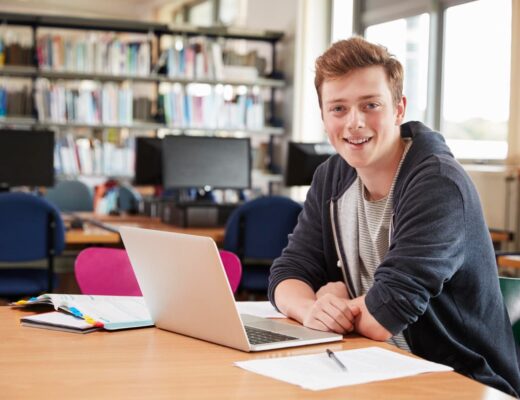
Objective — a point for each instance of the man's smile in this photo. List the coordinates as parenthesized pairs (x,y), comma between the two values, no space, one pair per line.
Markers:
(357,140)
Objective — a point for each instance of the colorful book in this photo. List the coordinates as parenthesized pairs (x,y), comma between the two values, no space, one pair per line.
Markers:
(98,312)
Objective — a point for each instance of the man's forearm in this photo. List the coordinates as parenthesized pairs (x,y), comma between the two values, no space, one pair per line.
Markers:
(366,324)
(293,298)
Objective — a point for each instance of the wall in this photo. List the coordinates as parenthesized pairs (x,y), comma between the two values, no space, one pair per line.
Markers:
(498,188)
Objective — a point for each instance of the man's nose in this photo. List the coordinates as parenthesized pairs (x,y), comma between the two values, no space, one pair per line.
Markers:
(355,119)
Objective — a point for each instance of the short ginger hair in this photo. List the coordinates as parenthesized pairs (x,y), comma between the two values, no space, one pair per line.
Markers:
(348,55)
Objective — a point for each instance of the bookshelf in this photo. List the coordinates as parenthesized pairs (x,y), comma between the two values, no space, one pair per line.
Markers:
(100,82)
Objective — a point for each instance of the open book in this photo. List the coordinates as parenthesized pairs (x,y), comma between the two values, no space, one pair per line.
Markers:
(85,313)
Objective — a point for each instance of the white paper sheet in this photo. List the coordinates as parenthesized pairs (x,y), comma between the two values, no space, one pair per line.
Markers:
(262,309)
(319,372)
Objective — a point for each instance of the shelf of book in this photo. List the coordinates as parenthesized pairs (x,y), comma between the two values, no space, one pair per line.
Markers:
(102,24)
(118,25)
(34,72)
(267,130)
(20,71)
(145,126)
(261,82)
(257,176)
(22,121)
(105,75)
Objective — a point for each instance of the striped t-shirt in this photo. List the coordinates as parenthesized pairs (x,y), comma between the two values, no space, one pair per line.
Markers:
(372,236)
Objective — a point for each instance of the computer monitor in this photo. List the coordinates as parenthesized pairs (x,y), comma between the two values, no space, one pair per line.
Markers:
(206,162)
(302,161)
(148,161)
(26,158)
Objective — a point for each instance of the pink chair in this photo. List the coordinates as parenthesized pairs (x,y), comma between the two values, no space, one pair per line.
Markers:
(107,271)
(233,268)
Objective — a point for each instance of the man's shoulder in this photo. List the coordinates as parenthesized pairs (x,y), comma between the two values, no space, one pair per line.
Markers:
(429,153)
(443,165)
(335,174)
(429,161)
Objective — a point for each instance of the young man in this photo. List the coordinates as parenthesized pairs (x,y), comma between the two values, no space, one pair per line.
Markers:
(391,242)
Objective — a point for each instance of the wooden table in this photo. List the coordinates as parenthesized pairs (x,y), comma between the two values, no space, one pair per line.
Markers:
(500,238)
(510,261)
(151,363)
(91,234)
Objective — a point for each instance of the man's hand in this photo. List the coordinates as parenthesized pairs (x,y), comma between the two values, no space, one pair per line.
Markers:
(331,313)
(327,310)
(338,289)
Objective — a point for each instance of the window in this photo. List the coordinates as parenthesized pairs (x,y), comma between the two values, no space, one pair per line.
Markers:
(475,106)
(456,55)
(407,39)
(341,19)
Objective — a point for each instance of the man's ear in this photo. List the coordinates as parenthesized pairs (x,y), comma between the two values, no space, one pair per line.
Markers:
(400,110)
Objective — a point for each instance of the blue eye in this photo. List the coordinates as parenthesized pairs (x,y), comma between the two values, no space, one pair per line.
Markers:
(372,106)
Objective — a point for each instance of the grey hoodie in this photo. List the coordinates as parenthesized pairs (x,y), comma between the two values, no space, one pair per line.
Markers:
(438,282)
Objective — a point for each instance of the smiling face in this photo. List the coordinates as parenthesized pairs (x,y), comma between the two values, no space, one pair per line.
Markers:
(362,121)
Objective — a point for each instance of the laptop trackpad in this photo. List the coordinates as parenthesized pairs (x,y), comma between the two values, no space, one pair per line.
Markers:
(282,327)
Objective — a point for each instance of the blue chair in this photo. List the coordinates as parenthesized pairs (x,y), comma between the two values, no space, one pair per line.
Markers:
(257,232)
(128,199)
(70,196)
(30,229)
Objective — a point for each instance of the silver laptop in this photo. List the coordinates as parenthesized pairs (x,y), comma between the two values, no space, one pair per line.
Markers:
(186,290)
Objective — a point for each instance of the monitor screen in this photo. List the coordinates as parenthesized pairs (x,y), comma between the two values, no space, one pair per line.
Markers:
(302,161)
(148,161)
(200,162)
(26,158)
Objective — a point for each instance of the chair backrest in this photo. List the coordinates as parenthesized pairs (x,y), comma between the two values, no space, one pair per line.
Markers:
(510,288)
(71,196)
(30,229)
(107,271)
(128,199)
(25,228)
(233,268)
(259,229)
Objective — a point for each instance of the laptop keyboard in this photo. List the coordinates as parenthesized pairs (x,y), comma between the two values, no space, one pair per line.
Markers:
(261,336)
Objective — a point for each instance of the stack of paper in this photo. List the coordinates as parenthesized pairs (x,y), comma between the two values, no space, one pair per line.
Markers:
(318,371)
